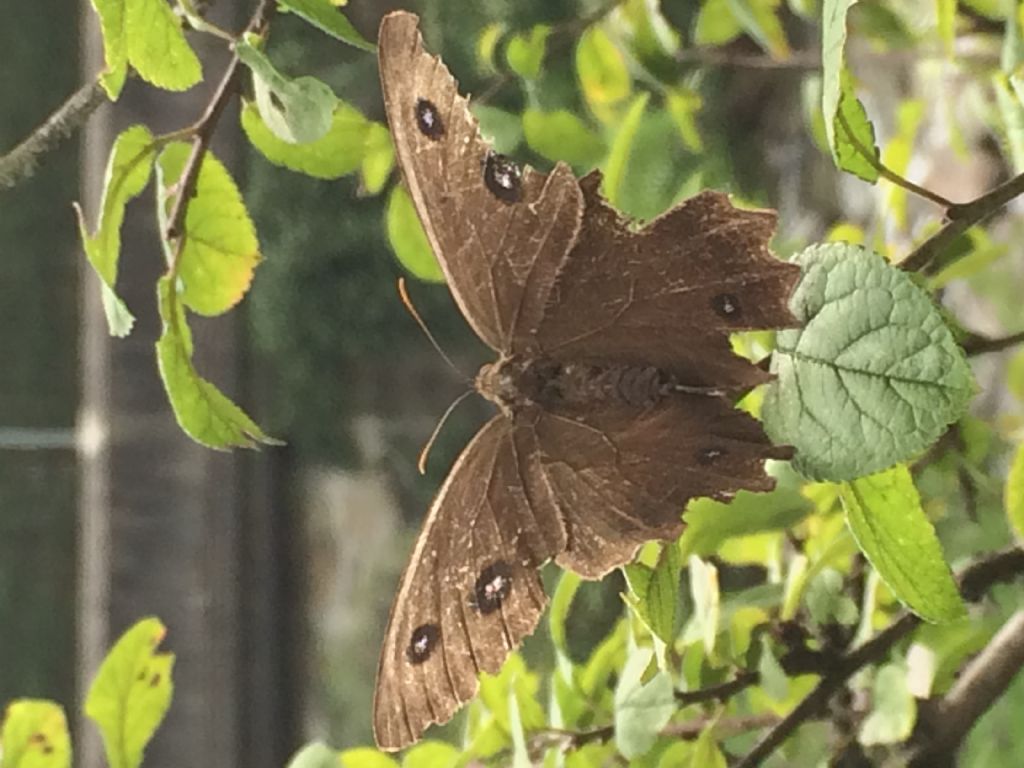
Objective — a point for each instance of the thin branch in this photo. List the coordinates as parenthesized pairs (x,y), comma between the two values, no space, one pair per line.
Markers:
(979,345)
(982,681)
(887,173)
(974,580)
(202,133)
(20,163)
(961,218)
(721,692)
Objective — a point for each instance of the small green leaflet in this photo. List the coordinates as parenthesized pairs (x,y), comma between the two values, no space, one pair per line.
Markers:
(202,410)
(327,18)
(709,523)
(654,592)
(872,378)
(296,111)
(361,757)
(431,754)
(641,709)
(131,693)
(1015,493)
(407,238)
(315,755)
(34,735)
(760,20)
(525,53)
(622,147)
(603,74)
(220,251)
(893,708)
(561,135)
(884,514)
(707,601)
(378,158)
(337,153)
(128,171)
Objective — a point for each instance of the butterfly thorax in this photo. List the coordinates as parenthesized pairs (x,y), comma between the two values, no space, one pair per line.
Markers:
(515,382)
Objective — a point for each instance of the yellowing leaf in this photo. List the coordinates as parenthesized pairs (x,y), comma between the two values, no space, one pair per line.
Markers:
(602,71)
(220,250)
(34,735)
(131,693)
(156,45)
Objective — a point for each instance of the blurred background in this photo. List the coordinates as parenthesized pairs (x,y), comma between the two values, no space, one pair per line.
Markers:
(274,570)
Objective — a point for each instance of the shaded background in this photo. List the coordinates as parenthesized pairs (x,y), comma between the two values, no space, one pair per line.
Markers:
(274,570)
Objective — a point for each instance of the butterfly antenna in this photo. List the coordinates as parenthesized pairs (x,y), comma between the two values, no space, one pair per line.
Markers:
(421,465)
(423,326)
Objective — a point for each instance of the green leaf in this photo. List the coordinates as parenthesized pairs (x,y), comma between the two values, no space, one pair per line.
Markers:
(128,171)
(131,693)
(853,135)
(34,735)
(1012,113)
(296,111)
(503,129)
(683,105)
(561,135)
(641,709)
(760,20)
(706,753)
(561,602)
(893,708)
(896,157)
(945,12)
(220,252)
(115,50)
(516,680)
(872,378)
(342,150)
(379,158)
(431,754)
(706,601)
(328,18)
(603,74)
(622,146)
(315,755)
(709,523)
(715,24)
(407,238)
(525,53)
(1015,492)
(156,45)
(520,753)
(833,57)
(827,601)
(885,516)
(654,592)
(202,410)
(772,678)
(365,757)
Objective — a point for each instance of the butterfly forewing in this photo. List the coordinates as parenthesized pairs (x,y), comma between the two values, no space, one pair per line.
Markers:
(471,591)
(499,232)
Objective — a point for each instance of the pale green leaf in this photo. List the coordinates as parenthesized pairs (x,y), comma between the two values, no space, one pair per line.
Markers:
(328,18)
(202,410)
(760,20)
(131,693)
(34,735)
(622,146)
(833,57)
(487,46)
(1011,110)
(683,105)
(1014,494)
(342,150)
(431,754)
(365,757)
(156,45)
(715,24)
(602,72)
(115,49)
(641,709)
(315,755)
(561,602)
(561,135)
(220,252)
(706,601)
(872,378)
(516,680)
(709,523)
(893,708)
(706,752)
(772,678)
(1015,375)
(297,111)
(520,752)
(379,158)
(885,515)
(525,53)
(827,601)
(128,171)
(407,238)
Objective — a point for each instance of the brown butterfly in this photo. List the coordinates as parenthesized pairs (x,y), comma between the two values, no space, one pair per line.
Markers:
(614,379)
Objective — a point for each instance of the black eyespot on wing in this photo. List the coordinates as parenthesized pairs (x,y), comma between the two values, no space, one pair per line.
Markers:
(493,585)
(422,643)
(727,305)
(428,119)
(503,177)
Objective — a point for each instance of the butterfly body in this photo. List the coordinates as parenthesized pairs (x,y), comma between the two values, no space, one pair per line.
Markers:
(614,381)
